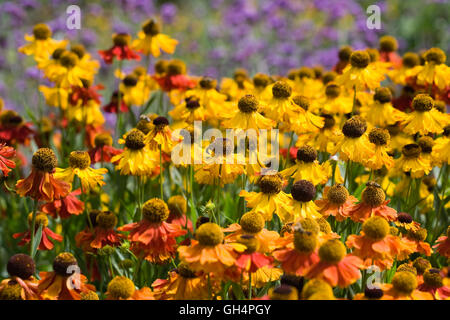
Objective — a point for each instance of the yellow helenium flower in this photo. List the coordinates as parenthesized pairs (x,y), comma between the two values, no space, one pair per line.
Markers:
(40,44)
(280,103)
(441,149)
(334,102)
(136,159)
(214,103)
(248,117)
(89,114)
(380,112)
(161,136)
(412,161)
(55,97)
(300,119)
(189,110)
(353,144)
(85,62)
(219,169)
(236,87)
(271,199)
(134,92)
(425,119)
(79,165)
(307,167)
(380,138)
(360,73)
(434,71)
(151,41)
(302,194)
(410,67)
(71,73)
(303,83)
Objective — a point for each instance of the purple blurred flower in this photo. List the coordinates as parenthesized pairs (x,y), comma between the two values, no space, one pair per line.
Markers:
(168,12)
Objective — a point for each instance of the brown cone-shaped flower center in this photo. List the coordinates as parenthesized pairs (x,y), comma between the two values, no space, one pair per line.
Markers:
(252,222)
(376,228)
(410,60)
(404,282)
(89,295)
(21,265)
(207,83)
(426,144)
(411,150)
(306,154)
(329,77)
(303,191)
(329,121)
(359,59)
(404,217)
(270,184)
(192,103)
(63,261)
(435,55)
(176,67)
(333,90)
(374,54)
(324,226)
(418,235)
(354,127)
(79,50)
(382,95)
(155,210)
(44,159)
(177,205)
(373,293)
(121,288)
(68,59)
(161,66)
(421,265)
(57,53)
(103,139)
(151,28)
(209,234)
(305,72)
(41,32)
(388,44)
(432,278)
(160,123)
(261,80)
(332,251)
(130,80)
(106,220)
(79,159)
(121,39)
(135,140)
(379,137)
(250,241)
(184,270)
(373,195)
(302,102)
(422,103)
(281,90)
(344,53)
(283,292)
(408,268)
(248,104)
(305,241)
(337,194)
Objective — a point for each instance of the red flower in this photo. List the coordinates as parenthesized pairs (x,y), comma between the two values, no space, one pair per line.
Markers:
(103,150)
(154,241)
(5,164)
(362,211)
(101,235)
(120,50)
(172,82)
(45,244)
(64,207)
(181,220)
(113,105)
(85,94)
(391,57)
(13,130)
(442,245)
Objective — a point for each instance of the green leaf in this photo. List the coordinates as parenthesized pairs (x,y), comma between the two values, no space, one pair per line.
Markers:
(37,240)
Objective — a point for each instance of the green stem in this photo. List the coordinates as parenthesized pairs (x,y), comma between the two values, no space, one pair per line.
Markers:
(249,286)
